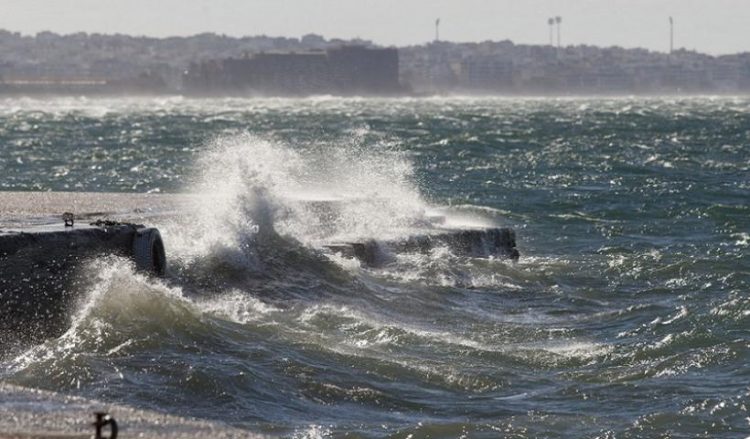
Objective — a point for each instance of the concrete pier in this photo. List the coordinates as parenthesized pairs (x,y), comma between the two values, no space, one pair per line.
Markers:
(23,209)
(40,257)
(39,270)
(478,243)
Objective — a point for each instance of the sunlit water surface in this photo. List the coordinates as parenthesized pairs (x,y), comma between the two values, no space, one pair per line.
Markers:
(628,314)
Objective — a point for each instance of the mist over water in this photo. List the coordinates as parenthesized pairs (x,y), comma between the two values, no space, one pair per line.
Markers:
(626,316)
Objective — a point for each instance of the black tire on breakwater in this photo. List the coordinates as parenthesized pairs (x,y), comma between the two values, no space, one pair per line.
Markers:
(148,251)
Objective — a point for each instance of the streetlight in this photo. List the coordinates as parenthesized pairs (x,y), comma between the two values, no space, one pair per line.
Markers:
(551,23)
(671,35)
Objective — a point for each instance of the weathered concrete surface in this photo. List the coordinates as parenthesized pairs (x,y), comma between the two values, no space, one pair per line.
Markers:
(30,413)
(479,243)
(20,209)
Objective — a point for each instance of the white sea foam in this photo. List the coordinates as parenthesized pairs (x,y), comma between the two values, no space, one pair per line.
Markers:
(238,306)
(247,187)
(313,432)
(315,194)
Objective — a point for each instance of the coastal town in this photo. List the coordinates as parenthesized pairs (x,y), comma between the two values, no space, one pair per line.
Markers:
(211,64)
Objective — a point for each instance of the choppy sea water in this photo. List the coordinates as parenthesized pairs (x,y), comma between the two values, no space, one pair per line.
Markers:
(628,314)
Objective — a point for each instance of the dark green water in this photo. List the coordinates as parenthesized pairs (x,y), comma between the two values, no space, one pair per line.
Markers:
(628,314)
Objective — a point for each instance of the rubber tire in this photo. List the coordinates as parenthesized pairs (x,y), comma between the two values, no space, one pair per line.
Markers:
(148,251)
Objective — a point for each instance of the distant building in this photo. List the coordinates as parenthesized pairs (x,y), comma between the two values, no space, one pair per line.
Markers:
(345,70)
(487,73)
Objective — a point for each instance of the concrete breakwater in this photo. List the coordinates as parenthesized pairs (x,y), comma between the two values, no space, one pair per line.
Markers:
(39,273)
(23,209)
(40,255)
(480,243)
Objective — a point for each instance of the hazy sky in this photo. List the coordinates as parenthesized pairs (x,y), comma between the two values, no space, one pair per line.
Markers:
(713,26)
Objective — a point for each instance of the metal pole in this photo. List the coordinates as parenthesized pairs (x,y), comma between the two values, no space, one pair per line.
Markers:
(671,35)
(551,25)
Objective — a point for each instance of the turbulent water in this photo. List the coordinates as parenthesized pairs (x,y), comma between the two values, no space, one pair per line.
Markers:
(628,314)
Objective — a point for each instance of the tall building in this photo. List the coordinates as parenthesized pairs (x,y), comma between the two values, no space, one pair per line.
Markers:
(345,70)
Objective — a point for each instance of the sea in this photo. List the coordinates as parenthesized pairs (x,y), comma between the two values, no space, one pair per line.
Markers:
(627,314)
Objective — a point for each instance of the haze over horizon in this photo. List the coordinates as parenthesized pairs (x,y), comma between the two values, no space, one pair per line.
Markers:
(715,27)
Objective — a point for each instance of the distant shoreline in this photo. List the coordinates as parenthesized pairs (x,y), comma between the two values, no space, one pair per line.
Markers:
(126,64)
(456,95)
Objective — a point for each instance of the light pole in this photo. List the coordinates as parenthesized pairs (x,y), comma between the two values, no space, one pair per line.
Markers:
(437,30)
(551,24)
(671,35)
(558,20)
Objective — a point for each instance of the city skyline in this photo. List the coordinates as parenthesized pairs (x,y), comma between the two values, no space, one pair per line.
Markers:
(715,27)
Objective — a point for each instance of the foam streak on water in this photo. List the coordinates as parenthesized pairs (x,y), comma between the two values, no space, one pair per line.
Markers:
(627,315)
